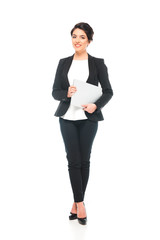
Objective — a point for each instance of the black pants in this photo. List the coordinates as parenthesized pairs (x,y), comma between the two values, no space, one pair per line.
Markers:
(78,138)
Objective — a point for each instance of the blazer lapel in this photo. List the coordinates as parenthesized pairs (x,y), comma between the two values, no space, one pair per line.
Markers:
(66,68)
(91,69)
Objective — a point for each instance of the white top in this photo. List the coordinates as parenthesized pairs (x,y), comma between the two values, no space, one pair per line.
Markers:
(79,70)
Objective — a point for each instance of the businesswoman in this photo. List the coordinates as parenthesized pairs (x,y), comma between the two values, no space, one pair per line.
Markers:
(79,125)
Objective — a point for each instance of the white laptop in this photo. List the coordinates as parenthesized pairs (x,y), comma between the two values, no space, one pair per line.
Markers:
(86,93)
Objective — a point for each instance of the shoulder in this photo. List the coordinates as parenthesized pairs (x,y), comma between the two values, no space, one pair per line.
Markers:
(100,64)
(98,60)
(65,59)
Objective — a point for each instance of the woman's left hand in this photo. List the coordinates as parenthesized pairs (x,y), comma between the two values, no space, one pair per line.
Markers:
(90,108)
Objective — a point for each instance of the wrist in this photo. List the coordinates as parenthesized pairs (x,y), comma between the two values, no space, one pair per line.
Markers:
(95,105)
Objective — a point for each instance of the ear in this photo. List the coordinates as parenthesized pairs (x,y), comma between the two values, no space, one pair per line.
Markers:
(89,41)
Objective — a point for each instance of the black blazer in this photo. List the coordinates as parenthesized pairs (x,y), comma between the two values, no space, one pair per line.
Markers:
(97,73)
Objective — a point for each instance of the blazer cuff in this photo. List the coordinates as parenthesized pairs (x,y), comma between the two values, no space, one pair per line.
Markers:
(60,95)
(98,109)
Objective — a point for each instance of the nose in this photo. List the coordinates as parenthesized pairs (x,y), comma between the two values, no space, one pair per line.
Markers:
(77,40)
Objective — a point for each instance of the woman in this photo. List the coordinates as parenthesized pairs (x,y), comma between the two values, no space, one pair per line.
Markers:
(79,125)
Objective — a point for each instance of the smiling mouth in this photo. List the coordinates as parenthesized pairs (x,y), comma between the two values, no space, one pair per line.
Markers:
(77,45)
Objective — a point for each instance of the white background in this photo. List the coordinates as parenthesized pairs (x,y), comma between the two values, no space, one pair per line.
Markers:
(122,198)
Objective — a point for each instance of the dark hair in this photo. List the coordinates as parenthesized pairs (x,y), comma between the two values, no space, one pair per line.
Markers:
(86,28)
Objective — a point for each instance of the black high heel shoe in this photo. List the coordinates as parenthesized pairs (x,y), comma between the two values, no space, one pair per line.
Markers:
(72,216)
(82,221)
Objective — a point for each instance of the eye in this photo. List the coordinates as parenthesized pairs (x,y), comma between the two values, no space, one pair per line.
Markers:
(73,36)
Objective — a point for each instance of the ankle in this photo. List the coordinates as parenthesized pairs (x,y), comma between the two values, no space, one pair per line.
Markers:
(79,204)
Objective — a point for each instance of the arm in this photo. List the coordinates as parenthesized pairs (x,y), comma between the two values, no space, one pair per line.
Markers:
(105,84)
(58,92)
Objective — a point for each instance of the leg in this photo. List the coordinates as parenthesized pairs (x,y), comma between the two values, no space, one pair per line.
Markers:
(88,131)
(71,140)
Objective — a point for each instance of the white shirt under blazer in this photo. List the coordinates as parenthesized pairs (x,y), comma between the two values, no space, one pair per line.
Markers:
(79,70)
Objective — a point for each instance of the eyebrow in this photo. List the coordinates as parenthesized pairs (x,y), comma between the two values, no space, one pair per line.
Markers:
(80,35)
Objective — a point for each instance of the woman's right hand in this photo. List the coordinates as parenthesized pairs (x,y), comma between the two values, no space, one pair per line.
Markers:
(71,91)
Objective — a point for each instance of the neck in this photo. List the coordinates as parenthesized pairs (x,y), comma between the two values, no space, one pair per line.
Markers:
(81,55)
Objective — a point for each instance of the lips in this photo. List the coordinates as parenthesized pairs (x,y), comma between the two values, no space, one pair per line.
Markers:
(77,45)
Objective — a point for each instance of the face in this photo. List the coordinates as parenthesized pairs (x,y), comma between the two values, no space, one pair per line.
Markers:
(79,40)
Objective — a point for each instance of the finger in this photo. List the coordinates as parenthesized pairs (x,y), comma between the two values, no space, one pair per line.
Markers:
(73,87)
(73,90)
(72,93)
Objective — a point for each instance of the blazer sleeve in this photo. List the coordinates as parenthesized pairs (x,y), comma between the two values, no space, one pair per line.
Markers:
(58,91)
(107,91)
